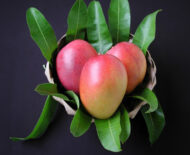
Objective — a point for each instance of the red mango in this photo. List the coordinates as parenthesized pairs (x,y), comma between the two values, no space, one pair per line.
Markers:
(134,61)
(70,61)
(103,84)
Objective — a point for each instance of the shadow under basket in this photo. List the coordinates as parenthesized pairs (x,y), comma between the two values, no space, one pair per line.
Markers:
(149,82)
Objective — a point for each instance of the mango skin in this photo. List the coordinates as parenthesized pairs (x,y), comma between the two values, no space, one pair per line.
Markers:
(70,61)
(134,61)
(103,84)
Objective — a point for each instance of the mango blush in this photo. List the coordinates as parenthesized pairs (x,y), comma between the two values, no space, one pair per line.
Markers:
(103,84)
(134,61)
(70,61)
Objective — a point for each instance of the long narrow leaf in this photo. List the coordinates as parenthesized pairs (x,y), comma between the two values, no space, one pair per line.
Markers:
(125,125)
(109,131)
(45,119)
(145,33)
(155,122)
(41,32)
(97,30)
(119,20)
(77,21)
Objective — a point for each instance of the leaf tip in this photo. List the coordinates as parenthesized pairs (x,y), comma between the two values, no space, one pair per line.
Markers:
(157,11)
(152,141)
(31,9)
(116,150)
(15,139)
(36,88)
(75,134)
(160,10)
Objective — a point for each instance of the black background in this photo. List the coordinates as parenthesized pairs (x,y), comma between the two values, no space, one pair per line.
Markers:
(21,70)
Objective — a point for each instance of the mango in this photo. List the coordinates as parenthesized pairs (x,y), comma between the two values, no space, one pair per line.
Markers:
(103,84)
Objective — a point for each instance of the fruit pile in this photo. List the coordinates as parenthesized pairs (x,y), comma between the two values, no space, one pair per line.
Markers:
(101,80)
(97,71)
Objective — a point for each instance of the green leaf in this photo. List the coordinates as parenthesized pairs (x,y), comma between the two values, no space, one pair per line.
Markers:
(97,30)
(41,32)
(148,96)
(77,21)
(73,96)
(45,119)
(145,33)
(50,89)
(119,20)
(80,123)
(109,131)
(125,124)
(155,122)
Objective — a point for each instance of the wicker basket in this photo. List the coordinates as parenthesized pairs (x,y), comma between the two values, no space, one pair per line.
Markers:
(150,83)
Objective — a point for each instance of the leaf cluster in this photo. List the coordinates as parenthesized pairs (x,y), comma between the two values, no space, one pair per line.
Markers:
(89,23)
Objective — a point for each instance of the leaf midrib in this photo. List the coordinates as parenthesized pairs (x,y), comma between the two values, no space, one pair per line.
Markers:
(41,32)
(151,120)
(118,22)
(109,124)
(77,131)
(143,38)
(77,20)
(98,27)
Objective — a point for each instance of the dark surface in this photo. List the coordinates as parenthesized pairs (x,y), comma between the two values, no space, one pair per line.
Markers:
(21,70)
